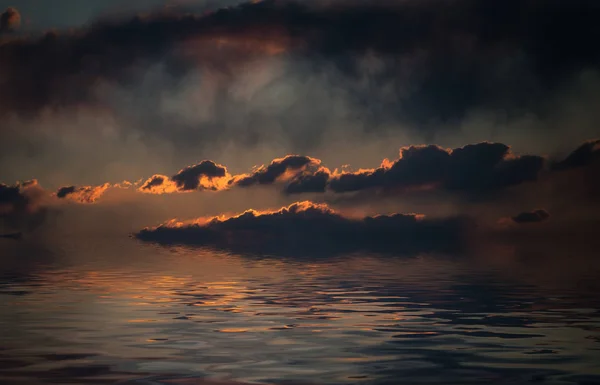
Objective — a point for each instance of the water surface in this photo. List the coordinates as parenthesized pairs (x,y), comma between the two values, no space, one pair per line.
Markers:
(102,311)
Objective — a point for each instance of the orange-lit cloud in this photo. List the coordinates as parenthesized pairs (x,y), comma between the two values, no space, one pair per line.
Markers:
(279,170)
(472,169)
(159,184)
(206,175)
(83,194)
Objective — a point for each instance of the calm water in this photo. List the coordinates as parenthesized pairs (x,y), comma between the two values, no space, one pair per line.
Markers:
(118,311)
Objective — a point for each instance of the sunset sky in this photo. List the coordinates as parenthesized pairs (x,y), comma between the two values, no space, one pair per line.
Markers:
(121,118)
(310,192)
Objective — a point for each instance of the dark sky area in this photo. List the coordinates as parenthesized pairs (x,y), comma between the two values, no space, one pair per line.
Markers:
(38,14)
(384,191)
(479,108)
(41,14)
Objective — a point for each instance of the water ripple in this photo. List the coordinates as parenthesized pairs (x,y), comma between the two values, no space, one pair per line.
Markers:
(187,316)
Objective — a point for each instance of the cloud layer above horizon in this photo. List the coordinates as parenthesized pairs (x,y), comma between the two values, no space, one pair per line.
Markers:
(475,169)
(488,103)
(313,228)
(288,77)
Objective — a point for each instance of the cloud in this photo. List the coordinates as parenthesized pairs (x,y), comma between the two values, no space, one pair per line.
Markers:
(473,171)
(309,182)
(285,168)
(22,206)
(158,184)
(245,84)
(206,175)
(586,154)
(202,175)
(313,228)
(442,64)
(83,194)
(66,190)
(474,168)
(10,20)
(534,216)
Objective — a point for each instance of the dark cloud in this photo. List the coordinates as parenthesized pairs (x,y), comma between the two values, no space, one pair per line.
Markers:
(83,194)
(314,228)
(189,178)
(10,20)
(64,191)
(154,181)
(21,206)
(531,216)
(206,175)
(587,153)
(474,168)
(277,169)
(473,171)
(446,58)
(309,182)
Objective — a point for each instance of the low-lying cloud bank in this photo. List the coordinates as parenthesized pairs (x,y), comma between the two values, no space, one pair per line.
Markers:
(291,76)
(306,226)
(472,170)
(437,176)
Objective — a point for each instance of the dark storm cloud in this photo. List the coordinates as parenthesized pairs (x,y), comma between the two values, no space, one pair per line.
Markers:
(314,228)
(473,168)
(534,216)
(586,154)
(265,175)
(21,206)
(440,59)
(10,20)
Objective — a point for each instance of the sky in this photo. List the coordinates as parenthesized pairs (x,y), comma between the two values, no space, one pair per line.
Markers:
(63,14)
(69,13)
(190,121)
